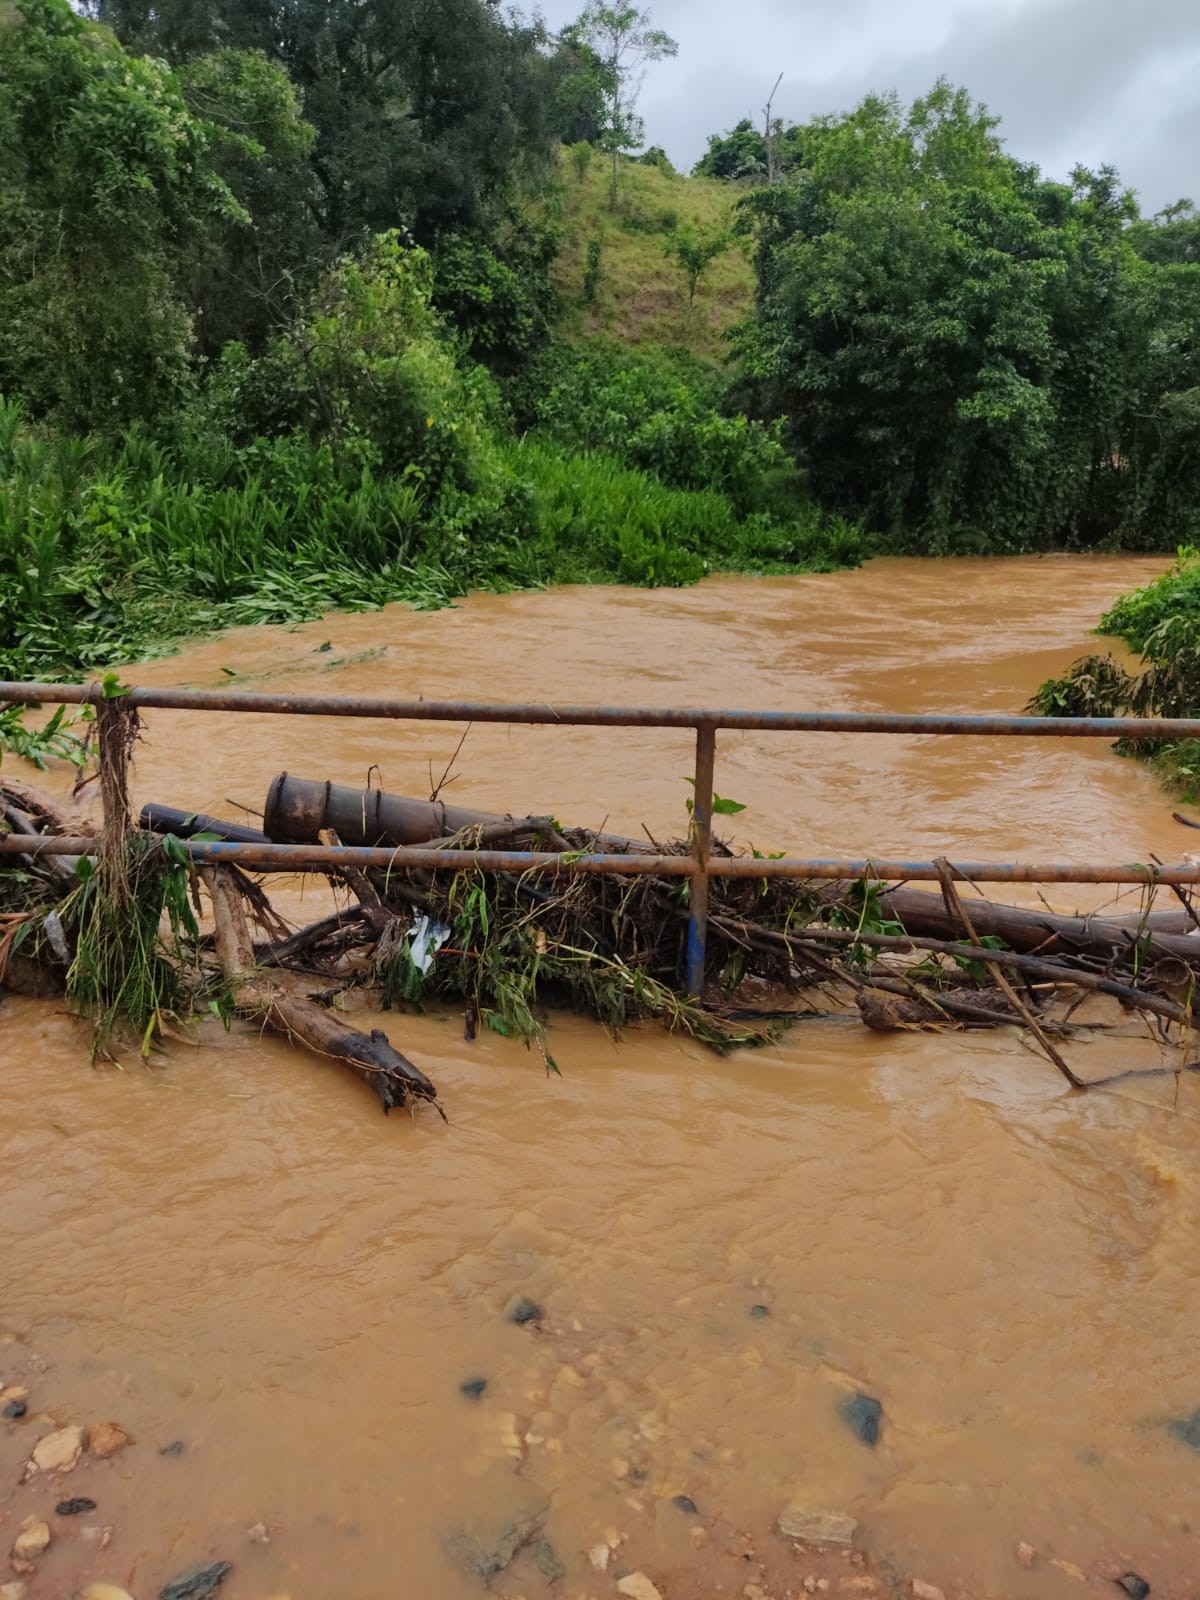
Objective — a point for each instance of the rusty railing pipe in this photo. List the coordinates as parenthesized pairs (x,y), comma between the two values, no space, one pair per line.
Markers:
(302,857)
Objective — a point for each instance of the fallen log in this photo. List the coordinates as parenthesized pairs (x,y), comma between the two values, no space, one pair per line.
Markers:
(1044,932)
(394,1078)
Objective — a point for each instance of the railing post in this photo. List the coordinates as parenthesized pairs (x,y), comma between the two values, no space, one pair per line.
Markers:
(702,803)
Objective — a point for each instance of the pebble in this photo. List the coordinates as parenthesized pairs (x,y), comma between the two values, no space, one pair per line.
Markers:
(14,1391)
(522,1310)
(258,1534)
(14,1410)
(57,1452)
(198,1583)
(1134,1585)
(817,1527)
(926,1591)
(105,1591)
(73,1508)
(473,1388)
(598,1555)
(1068,1569)
(13,1591)
(863,1414)
(685,1503)
(1026,1555)
(32,1541)
(175,1448)
(637,1586)
(105,1439)
(858,1586)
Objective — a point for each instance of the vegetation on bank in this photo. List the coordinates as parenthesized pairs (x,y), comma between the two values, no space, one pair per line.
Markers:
(1161,625)
(379,306)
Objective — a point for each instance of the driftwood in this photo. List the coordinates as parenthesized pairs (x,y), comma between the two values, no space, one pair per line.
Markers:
(370,1057)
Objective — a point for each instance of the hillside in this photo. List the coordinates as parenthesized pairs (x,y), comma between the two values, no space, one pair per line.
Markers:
(641,296)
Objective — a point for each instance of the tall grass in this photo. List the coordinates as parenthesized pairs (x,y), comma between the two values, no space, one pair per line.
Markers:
(113,552)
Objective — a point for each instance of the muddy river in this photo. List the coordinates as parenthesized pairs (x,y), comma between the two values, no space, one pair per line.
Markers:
(233,1252)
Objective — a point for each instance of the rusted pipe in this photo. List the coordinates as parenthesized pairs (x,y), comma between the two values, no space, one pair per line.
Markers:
(609,716)
(290,858)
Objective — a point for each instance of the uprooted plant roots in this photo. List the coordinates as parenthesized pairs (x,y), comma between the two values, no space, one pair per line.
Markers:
(506,947)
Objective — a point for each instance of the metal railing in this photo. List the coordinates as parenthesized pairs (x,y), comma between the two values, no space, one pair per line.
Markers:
(700,866)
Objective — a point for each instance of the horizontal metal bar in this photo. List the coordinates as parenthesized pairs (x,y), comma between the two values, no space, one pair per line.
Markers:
(306,857)
(311,705)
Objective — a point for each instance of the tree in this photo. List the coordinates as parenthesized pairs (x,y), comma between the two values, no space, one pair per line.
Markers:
(430,114)
(252,276)
(740,154)
(694,250)
(625,43)
(953,345)
(107,185)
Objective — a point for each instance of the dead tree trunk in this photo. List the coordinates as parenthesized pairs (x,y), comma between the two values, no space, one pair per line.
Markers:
(370,1057)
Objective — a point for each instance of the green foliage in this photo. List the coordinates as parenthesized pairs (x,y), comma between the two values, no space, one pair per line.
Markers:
(591,274)
(126,974)
(1156,620)
(499,298)
(649,415)
(432,113)
(1162,624)
(254,272)
(694,252)
(740,155)
(580,155)
(963,354)
(106,182)
(656,156)
(54,740)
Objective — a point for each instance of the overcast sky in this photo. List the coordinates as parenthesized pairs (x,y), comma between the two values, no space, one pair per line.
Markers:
(1090,81)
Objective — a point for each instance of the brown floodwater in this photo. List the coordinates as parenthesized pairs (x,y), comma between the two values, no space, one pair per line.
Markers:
(234,1250)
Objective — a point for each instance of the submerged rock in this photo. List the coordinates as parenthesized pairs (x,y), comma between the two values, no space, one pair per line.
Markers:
(487,1551)
(32,1541)
(106,1439)
(1134,1585)
(57,1452)
(473,1388)
(926,1591)
(686,1504)
(545,1560)
(817,1527)
(521,1310)
(637,1586)
(1186,1430)
(14,1409)
(175,1448)
(758,1312)
(198,1583)
(864,1415)
(74,1508)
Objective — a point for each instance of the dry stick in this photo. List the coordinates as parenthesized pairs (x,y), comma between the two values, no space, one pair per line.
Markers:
(954,902)
(1036,966)
(392,1076)
(274,955)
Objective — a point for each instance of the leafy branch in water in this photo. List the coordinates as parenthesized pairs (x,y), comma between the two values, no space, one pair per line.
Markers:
(54,740)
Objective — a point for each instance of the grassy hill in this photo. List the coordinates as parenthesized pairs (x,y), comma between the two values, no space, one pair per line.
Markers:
(641,296)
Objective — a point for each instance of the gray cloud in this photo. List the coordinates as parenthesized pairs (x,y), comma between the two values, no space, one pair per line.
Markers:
(1092,81)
